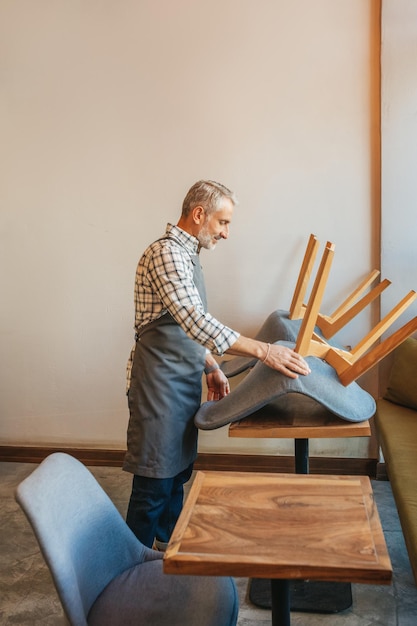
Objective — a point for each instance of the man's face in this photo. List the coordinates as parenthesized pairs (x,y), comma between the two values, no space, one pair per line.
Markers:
(216,225)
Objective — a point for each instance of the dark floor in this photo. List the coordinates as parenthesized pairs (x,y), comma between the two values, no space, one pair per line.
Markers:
(28,598)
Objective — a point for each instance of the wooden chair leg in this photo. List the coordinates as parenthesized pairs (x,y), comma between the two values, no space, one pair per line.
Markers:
(297,304)
(310,316)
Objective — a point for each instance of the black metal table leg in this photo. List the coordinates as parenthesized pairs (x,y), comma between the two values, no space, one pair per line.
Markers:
(301,456)
(280,602)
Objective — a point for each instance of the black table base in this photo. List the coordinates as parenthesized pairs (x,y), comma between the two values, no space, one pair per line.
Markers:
(309,596)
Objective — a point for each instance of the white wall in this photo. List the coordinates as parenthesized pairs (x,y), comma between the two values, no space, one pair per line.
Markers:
(399,151)
(110,111)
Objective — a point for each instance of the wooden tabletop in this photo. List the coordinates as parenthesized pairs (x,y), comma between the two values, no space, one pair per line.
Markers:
(271,423)
(291,526)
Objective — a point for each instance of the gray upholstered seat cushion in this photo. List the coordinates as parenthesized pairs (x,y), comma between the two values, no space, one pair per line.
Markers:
(262,386)
(145,596)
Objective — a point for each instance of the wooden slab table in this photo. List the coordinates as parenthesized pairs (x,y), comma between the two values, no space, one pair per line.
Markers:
(301,418)
(280,526)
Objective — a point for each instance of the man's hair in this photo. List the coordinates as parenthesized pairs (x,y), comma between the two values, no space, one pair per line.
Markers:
(208,194)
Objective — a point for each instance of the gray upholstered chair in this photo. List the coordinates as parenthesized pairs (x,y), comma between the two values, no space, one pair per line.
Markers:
(103,574)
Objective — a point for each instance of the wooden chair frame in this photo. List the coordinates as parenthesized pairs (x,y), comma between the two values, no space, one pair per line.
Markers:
(349,364)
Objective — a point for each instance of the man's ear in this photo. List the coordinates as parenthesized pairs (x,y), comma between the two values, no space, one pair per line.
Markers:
(198,214)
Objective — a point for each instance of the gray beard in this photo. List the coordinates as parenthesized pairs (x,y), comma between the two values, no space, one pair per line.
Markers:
(205,240)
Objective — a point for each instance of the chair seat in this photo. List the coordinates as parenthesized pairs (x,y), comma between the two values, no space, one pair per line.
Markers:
(146,596)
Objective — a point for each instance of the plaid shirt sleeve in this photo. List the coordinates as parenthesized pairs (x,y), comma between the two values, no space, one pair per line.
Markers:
(165,281)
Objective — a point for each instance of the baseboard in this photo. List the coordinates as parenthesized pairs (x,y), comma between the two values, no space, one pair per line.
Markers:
(270,463)
(36,454)
(205,461)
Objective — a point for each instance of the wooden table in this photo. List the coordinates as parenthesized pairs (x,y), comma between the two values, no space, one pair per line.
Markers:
(280,526)
(301,418)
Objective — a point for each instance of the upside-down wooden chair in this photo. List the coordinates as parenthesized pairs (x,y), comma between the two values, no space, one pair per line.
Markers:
(349,364)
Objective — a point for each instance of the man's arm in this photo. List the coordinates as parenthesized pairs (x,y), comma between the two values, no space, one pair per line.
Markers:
(277,357)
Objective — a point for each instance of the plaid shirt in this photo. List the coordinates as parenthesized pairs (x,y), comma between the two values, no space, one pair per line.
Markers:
(164,283)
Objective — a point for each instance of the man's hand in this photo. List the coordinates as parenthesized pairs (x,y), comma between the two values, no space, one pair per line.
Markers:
(285,360)
(217,385)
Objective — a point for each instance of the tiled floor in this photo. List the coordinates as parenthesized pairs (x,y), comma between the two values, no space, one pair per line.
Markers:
(28,598)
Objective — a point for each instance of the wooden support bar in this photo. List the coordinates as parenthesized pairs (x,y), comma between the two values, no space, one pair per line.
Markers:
(355,294)
(329,326)
(379,352)
(383,325)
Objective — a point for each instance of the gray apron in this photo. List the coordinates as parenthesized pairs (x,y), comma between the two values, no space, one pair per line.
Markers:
(164,395)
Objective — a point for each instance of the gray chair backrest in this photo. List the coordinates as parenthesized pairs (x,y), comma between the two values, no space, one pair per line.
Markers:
(83,538)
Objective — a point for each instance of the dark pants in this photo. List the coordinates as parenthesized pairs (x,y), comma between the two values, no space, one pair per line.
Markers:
(155,505)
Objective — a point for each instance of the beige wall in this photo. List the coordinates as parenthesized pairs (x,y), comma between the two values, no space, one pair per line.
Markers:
(110,111)
(399,149)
